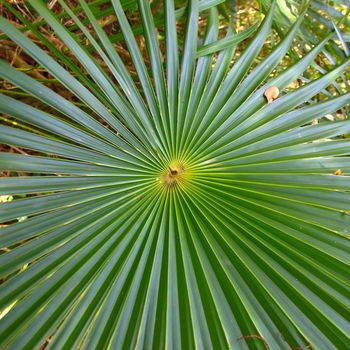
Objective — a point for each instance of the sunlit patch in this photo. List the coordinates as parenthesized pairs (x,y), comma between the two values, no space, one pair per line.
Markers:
(177,174)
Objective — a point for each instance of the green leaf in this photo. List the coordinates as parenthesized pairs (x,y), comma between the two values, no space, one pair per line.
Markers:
(178,210)
(226,42)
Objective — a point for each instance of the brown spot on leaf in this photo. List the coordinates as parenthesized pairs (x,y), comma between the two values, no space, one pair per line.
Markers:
(271,93)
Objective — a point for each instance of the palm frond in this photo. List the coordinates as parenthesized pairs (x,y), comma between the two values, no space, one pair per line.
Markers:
(178,210)
(321,17)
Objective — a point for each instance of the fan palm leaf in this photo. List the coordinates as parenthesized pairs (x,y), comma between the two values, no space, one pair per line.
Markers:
(178,210)
(321,16)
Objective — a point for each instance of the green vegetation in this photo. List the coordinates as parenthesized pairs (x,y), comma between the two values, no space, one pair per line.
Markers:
(153,198)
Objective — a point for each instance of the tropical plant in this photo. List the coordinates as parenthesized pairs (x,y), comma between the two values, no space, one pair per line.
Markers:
(178,210)
(321,16)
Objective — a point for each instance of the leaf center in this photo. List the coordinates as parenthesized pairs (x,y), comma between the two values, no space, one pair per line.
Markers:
(174,175)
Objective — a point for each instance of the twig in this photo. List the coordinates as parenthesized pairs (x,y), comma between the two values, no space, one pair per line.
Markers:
(254,336)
